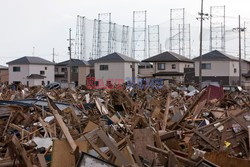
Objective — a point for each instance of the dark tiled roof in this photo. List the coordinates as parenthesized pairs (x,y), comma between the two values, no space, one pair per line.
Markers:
(115,57)
(216,55)
(168,57)
(74,62)
(168,74)
(35,76)
(3,67)
(30,60)
(91,62)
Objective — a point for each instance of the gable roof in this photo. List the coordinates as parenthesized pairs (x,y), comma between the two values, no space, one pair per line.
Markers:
(115,57)
(36,76)
(30,60)
(216,55)
(168,57)
(74,62)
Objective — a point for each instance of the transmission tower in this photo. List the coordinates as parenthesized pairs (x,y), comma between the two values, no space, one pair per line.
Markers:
(104,34)
(187,41)
(113,39)
(80,41)
(177,29)
(217,28)
(246,41)
(125,40)
(153,40)
(95,39)
(139,39)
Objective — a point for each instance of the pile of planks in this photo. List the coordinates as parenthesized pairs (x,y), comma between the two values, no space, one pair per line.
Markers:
(172,126)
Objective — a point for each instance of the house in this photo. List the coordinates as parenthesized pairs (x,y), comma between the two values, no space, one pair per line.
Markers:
(31,71)
(169,66)
(4,75)
(80,69)
(115,67)
(221,68)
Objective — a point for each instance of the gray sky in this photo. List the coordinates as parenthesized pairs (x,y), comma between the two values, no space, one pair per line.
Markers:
(45,23)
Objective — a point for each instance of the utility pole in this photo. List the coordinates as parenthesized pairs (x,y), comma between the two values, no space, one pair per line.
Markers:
(70,57)
(239,29)
(201,28)
(53,54)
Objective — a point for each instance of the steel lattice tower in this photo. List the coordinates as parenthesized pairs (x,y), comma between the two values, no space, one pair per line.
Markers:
(104,34)
(187,41)
(217,28)
(177,29)
(139,36)
(95,39)
(153,40)
(125,40)
(80,41)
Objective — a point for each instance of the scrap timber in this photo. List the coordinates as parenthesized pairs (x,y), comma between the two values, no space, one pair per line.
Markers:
(173,126)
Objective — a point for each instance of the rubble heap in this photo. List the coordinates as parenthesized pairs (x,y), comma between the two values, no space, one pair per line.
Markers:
(172,126)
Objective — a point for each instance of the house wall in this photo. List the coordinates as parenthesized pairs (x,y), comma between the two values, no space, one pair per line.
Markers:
(219,69)
(49,73)
(168,66)
(27,70)
(116,71)
(4,76)
(82,75)
(18,76)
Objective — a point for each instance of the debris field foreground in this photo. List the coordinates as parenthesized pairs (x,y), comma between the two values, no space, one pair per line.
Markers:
(172,126)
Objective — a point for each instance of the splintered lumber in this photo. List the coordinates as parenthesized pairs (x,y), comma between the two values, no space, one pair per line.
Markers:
(142,138)
(113,148)
(61,154)
(20,152)
(165,119)
(42,160)
(64,128)
(166,153)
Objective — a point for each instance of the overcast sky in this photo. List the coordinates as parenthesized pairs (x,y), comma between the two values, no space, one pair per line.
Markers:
(44,24)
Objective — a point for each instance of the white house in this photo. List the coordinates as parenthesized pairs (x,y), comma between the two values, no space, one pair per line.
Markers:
(31,71)
(115,67)
(218,67)
(168,66)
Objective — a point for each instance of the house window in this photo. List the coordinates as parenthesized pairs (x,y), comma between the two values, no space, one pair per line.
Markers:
(56,69)
(48,82)
(64,70)
(206,66)
(45,68)
(75,69)
(235,70)
(173,66)
(42,72)
(16,69)
(43,83)
(104,67)
(161,66)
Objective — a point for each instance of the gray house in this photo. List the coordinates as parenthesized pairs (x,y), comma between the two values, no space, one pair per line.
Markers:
(79,71)
(114,67)
(221,68)
(169,66)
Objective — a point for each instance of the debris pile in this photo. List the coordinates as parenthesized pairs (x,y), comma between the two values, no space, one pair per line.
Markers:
(172,126)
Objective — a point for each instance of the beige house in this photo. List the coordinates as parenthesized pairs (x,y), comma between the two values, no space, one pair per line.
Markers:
(220,67)
(114,67)
(4,75)
(168,66)
(80,69)
(31,71)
